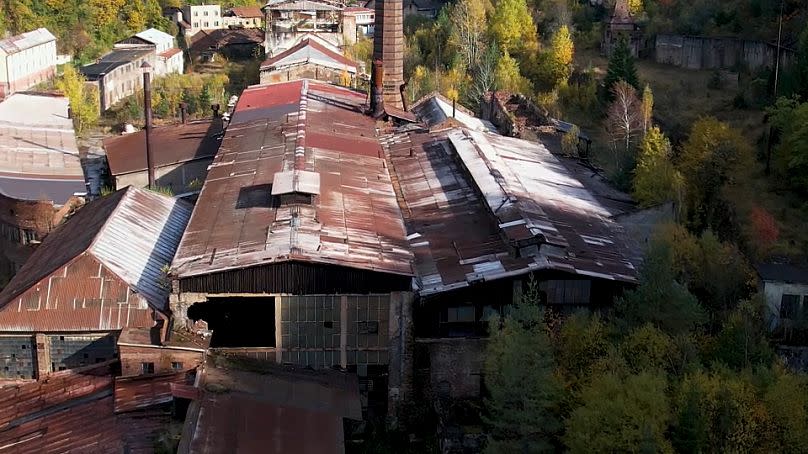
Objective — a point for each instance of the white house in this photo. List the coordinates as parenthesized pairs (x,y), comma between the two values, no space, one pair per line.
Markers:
(26,60)
(785,289)
(202,17)
(169,58)
(365,18)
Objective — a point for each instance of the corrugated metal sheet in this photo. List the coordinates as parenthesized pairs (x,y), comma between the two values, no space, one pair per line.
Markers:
(171,144)
(310,51)
(100,270)
(302,126)
(72,411)
(281,411)
(434,110)
(39,157)
(518,208)
(156,37)
(26,40)
(138,241)
(143,391)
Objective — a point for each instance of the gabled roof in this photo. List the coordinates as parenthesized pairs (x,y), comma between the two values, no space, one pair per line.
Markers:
(434,109)
(505,195)
(303,5)
(354,10)
(132,232)
(353,221)
(173,144)
(207,40)
(247,12)
(26,40)
(310,51)
(155,36)
(39,157)
(112,60)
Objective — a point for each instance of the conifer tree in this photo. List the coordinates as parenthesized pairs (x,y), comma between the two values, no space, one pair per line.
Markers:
(621,67)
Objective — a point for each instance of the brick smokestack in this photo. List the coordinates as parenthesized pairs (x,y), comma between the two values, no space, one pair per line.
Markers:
(388,46)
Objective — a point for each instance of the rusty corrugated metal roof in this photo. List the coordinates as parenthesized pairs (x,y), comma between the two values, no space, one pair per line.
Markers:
(308,127)
(112,250)
(143,391)
(504,195)
(172,144)
(278,412)
(72,411)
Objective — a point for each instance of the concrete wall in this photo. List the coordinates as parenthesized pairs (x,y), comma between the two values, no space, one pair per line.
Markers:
(773,293)
(203,17)
(24,69)
(133,357)
(176,177)
(454,365)
(123,81)
(695,52)
(305,71)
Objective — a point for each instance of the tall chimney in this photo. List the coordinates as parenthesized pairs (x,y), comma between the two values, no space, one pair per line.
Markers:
(377,88)
(388,46)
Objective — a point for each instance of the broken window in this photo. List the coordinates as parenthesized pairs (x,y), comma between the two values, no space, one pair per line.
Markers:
(790,307)
(176,365)
(461,314)
(146,368)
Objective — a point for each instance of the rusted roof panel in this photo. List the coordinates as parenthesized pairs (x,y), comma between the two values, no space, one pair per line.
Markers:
(310,128)
(435,109)
(171,144)
(281,411)
(505,195)
(143,391)
(310,51)
(72,411)
(103,267)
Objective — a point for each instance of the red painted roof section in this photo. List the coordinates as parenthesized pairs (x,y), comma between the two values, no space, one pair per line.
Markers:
(335,56)
(247,11)
(170,52)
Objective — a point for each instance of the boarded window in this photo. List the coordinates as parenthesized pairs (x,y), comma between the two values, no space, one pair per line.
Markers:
(566,291)
(790,306)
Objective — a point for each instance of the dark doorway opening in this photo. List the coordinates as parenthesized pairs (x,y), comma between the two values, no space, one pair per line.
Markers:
(238,321)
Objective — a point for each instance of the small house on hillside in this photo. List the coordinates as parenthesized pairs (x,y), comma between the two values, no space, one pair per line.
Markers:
(785,289)
(622,26)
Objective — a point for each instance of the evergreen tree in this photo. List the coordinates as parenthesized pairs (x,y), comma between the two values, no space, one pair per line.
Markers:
(524,391)
(621,67)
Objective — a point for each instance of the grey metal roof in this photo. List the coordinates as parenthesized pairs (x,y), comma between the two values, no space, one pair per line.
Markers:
(26,40)
(112,60)
(39,157)
(434,109)
(781,272)
(155,36)
(470,199)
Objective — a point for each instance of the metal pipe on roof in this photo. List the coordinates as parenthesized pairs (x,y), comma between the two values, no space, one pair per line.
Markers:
(377,88)
(148,114)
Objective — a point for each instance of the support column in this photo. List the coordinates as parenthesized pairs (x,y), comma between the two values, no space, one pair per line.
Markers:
(401,348)
(343,332)
(278,334)
(43,355)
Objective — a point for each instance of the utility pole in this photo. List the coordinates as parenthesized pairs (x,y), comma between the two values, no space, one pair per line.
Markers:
(148,114)
(777,61)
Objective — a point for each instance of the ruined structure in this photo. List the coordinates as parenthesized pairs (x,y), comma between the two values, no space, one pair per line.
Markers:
(622,26)
(100,272)
(296,251)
